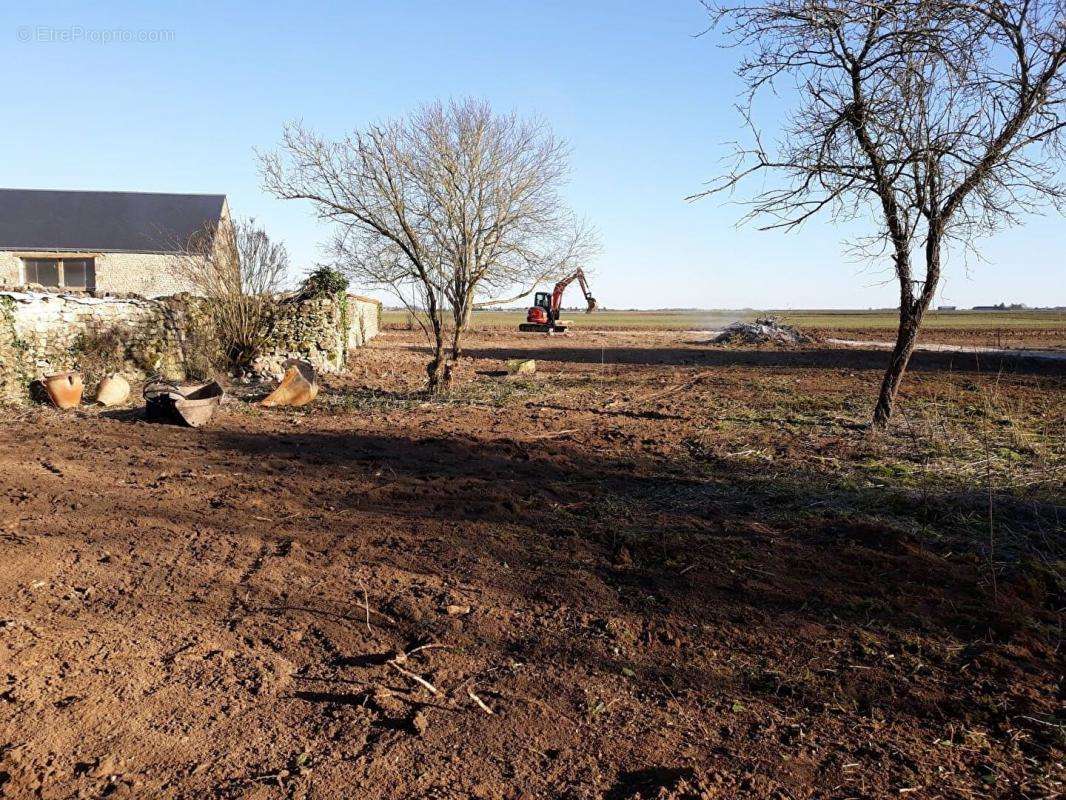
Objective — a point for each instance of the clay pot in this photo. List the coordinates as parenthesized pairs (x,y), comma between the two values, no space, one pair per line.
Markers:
(64,389)
(113,390)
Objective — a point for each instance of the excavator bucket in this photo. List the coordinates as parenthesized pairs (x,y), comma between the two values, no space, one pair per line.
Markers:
(592,305)
(298,386)
(182,405)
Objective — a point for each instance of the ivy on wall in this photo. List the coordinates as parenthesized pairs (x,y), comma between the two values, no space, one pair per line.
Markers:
(342,301)
(15,371)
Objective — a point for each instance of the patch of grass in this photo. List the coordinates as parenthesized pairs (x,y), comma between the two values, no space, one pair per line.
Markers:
(896,471)
(248,409)
(497,391)
(349,399)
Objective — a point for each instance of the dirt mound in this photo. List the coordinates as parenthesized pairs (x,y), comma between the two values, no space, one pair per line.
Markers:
(764,330)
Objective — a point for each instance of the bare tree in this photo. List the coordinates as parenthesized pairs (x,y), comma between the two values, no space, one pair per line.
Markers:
(239,270)
(939,120)
(447,208)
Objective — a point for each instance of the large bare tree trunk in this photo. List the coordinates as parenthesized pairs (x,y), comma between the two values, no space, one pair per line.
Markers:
(462,323)
(911,313)
(910,321)
(438,370)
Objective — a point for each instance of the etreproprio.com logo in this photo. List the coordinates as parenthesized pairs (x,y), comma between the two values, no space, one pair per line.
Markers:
(72,34)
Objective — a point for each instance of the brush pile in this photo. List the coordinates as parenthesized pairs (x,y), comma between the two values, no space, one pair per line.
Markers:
(764,330)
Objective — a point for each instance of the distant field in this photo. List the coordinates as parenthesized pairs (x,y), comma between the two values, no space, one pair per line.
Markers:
(713,320)
(984,320)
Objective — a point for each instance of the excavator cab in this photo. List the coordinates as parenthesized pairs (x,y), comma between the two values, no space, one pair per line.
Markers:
(540,316)
(543,300)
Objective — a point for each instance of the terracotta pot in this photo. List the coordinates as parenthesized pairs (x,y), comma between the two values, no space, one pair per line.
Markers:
(114,390)
(64,389)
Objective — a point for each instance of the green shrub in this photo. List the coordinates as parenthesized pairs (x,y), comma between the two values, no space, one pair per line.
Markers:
(323,282)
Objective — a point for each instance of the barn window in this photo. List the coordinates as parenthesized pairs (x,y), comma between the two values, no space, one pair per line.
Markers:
(70,273)
(79,273)
(43,271)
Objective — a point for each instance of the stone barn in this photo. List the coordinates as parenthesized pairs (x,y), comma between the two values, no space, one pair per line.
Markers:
(118,242)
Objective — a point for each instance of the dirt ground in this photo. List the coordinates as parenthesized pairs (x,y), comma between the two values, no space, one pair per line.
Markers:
(654,569)
(1005,338)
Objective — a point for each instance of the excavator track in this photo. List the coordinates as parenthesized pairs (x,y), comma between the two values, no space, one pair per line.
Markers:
(533,327)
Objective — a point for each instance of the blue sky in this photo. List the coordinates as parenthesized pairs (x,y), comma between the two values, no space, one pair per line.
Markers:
(646,106)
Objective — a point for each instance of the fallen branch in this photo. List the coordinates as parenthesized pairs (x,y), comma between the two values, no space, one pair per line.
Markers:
(550,434)
(479,701)
(1042,722)
(432,645)
(416,678)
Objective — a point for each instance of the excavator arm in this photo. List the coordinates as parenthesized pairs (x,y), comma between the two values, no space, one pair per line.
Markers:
(560,287)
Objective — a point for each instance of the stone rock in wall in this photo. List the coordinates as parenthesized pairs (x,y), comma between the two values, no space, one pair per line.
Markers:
(269,367)
(307,329)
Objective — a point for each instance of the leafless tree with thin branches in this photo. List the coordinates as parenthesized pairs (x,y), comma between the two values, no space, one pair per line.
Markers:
(449,208)
(239,270)
(941,121)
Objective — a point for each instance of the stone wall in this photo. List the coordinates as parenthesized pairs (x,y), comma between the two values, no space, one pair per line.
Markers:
(365,321)
(44,332)
(322,331)
(147,274)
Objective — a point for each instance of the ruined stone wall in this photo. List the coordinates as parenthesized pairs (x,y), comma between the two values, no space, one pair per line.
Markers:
(43,332)
(322,330)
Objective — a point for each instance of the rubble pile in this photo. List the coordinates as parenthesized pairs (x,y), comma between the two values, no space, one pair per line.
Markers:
(765,330)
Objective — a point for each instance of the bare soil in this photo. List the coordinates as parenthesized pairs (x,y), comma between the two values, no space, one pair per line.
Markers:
(1005,338)
(655,569)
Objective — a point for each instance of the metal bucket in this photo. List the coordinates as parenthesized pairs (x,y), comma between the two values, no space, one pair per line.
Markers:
(192,406)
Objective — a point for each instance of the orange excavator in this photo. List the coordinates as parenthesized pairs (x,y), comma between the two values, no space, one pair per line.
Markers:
(543,317)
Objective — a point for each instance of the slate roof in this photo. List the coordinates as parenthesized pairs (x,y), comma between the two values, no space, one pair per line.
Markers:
(132,222)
